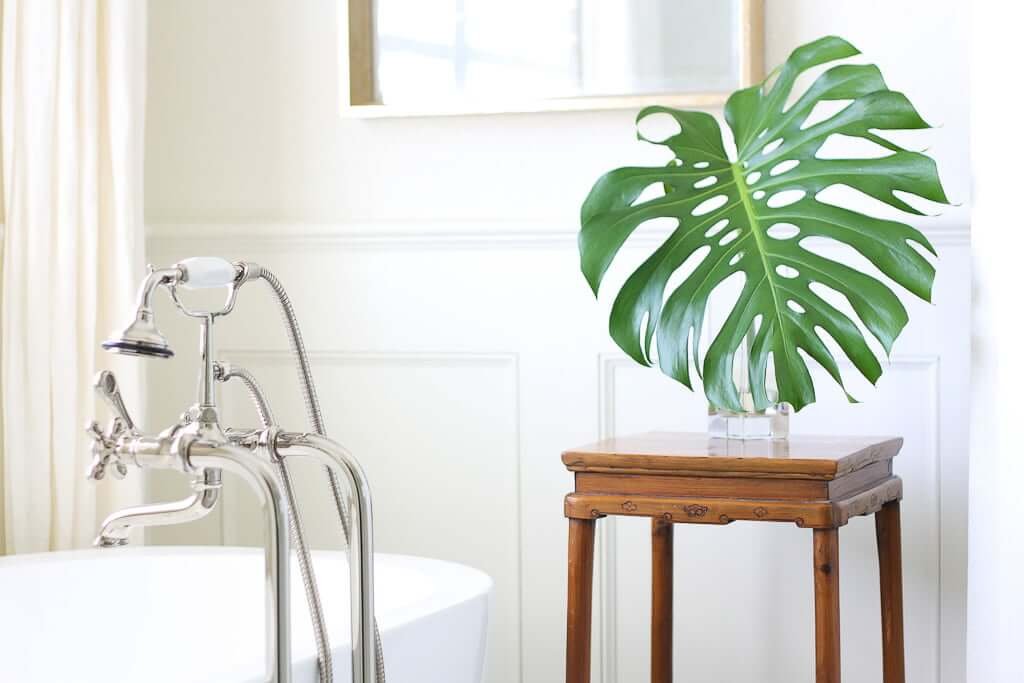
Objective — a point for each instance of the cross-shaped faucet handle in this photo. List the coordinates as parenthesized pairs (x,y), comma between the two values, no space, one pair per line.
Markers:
(104,450)
(105,444)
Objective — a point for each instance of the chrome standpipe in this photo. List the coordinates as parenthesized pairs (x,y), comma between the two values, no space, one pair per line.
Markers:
(207,397)
(277,556)
(360,545)
(200,448)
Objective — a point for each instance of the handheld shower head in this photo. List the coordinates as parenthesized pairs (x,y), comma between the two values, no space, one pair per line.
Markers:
(141,337)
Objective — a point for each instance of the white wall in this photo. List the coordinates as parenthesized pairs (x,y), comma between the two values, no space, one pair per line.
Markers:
(434,267)
(997,545)
(243,122)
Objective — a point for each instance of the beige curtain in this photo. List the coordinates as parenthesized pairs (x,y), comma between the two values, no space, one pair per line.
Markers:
(72,93)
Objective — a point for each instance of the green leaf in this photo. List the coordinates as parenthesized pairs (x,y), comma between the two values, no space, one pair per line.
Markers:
(726,209)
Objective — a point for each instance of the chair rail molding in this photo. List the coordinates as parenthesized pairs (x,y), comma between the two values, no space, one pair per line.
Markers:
(415,234)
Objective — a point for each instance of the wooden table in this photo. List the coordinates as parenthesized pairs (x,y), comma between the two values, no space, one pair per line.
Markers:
(815,482)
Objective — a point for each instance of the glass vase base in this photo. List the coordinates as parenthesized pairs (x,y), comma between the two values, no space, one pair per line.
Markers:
(769,424)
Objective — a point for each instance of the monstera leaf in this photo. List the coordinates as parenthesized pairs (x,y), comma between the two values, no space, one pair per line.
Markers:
(743,211)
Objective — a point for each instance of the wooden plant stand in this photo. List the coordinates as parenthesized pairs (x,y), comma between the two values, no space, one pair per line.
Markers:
(815,482)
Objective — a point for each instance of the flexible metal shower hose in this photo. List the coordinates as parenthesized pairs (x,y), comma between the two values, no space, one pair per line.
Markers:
(316,612)
(315,417)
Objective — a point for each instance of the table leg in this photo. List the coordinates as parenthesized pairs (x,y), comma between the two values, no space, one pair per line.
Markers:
(890,565)
(826,605)
(581,580)
(661,600)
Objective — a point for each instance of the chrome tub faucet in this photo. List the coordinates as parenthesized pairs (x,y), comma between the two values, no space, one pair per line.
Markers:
(200,447)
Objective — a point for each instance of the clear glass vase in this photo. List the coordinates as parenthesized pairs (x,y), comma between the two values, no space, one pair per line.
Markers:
(771,423)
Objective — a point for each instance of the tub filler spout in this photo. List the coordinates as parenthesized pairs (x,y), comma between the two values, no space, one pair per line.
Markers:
(118,526)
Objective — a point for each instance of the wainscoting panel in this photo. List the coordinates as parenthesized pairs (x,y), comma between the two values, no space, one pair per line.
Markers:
(747,587)
(438,437)
(457,362)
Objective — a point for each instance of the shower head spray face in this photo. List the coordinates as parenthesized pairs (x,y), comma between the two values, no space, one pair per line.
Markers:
(141,338)
(130,348)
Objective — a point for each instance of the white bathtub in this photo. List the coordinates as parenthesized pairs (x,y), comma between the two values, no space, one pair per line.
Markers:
(196,615)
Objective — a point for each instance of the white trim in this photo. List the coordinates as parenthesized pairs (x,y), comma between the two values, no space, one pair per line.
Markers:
(552,234)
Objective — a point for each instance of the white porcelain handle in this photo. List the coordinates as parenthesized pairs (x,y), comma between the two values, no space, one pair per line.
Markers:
(203,272)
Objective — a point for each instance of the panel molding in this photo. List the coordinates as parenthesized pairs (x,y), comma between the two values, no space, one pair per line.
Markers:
(455,234)
(277,356)
(253,358)
(610,363)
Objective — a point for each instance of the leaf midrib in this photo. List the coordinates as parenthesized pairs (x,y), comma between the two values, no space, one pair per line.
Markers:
(762,248)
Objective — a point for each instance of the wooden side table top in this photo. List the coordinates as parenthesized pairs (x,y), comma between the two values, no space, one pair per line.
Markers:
(803,457)
(814,481)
